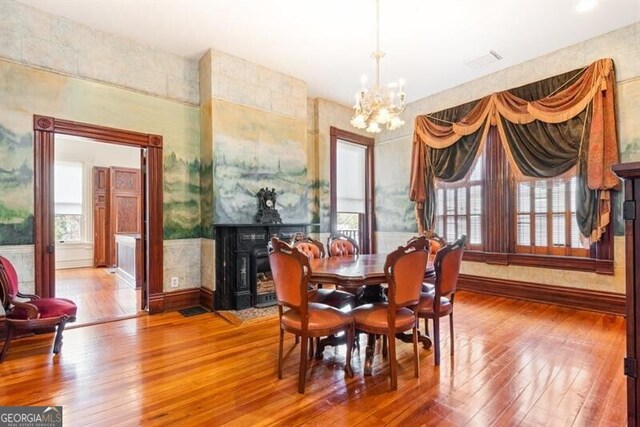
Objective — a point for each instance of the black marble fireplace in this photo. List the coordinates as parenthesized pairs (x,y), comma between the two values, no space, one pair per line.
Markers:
(243,275)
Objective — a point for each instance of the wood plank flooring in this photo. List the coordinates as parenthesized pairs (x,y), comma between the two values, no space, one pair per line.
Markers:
(99,295)
(516,363)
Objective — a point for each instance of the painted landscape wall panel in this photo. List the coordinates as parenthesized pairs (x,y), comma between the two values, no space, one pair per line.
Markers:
(253,149)
(16,187)
(394,210)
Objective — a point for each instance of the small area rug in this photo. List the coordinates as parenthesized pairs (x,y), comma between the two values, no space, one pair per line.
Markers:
(237,317)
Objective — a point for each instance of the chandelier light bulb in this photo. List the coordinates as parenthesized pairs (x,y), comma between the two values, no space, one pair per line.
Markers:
(373,127)
(383,116)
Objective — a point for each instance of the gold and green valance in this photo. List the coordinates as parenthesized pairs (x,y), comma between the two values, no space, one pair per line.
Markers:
(546,129)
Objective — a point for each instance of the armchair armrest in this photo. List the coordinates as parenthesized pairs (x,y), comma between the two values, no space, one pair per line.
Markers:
(32,310)
(27,296)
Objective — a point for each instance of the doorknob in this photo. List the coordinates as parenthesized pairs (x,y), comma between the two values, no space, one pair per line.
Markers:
(51,249)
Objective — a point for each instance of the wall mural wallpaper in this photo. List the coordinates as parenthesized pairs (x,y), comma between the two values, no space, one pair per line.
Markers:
(181,197)
(319,204)
(394,210)
(253,149)
(16,187)
(25,91)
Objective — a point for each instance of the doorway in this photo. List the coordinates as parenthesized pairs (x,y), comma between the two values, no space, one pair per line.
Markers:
(149,152)
(351,184)
(98,217)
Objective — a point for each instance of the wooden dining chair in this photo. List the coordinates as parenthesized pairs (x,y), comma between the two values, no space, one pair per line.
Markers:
(304,319)
(439,303)
(436,243)
(341,245)
(404,270)
(314,249)
(30,313)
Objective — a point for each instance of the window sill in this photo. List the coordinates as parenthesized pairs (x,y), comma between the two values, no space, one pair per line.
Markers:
(70,245)
(599,266)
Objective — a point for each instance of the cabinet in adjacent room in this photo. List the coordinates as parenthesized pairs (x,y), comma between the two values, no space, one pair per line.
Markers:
(117,209)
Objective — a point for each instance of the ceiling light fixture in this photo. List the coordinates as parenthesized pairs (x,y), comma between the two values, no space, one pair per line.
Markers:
(377,106)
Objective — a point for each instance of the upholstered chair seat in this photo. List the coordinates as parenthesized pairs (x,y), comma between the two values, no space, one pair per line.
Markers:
(426,306)
(321,317)
(46,308)
(428,288)
(332,297)
(375,316)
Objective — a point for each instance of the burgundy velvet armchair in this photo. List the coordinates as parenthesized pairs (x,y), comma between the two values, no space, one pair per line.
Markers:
(34,315)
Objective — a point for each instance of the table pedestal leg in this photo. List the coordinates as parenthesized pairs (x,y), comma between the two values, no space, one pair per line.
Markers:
(408,338)
(331,340)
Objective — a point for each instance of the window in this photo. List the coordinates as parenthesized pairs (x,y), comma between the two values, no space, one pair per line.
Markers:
(459,208)
(527,222)
(68,200)
(546,218)
(351,187)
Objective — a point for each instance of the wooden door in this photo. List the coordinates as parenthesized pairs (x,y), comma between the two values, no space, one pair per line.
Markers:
(100,216)
(125,204)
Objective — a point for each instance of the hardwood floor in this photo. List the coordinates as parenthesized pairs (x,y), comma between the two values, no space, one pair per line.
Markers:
(99,295)
(516,363)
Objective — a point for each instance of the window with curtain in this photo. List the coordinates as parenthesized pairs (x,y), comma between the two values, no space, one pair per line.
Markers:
(68,202)
(545,217)
(546,182)
(459,208)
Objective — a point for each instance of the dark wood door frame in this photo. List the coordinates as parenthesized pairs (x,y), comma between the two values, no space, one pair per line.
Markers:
(45,129)
(631,215)
(339,134)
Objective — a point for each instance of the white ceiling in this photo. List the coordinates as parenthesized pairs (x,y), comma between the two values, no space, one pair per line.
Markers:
(327,43)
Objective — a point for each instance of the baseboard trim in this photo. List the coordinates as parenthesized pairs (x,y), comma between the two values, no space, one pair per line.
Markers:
(583,299)
(207,297)
(181,299)
(156,303)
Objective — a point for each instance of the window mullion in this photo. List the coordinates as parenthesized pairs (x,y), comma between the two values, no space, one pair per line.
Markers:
(549,219)
(567,216)
(532,217)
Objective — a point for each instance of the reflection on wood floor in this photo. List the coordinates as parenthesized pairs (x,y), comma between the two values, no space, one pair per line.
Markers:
(100,295)
(515,363)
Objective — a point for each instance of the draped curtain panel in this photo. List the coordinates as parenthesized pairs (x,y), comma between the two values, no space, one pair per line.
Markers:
(547,128)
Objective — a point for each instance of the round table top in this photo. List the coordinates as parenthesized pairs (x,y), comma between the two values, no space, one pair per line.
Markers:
(353,270)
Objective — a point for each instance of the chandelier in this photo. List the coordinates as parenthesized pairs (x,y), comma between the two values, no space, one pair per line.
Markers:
(379,105)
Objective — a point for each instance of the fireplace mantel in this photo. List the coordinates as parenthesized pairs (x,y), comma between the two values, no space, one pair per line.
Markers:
(237,246)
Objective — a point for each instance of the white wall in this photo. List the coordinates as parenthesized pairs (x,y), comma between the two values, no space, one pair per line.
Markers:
(91,154)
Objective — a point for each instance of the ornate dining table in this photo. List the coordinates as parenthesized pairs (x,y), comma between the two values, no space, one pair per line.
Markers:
(354,272)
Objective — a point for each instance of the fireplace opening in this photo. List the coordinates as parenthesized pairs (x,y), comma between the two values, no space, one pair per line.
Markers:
(265,289)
